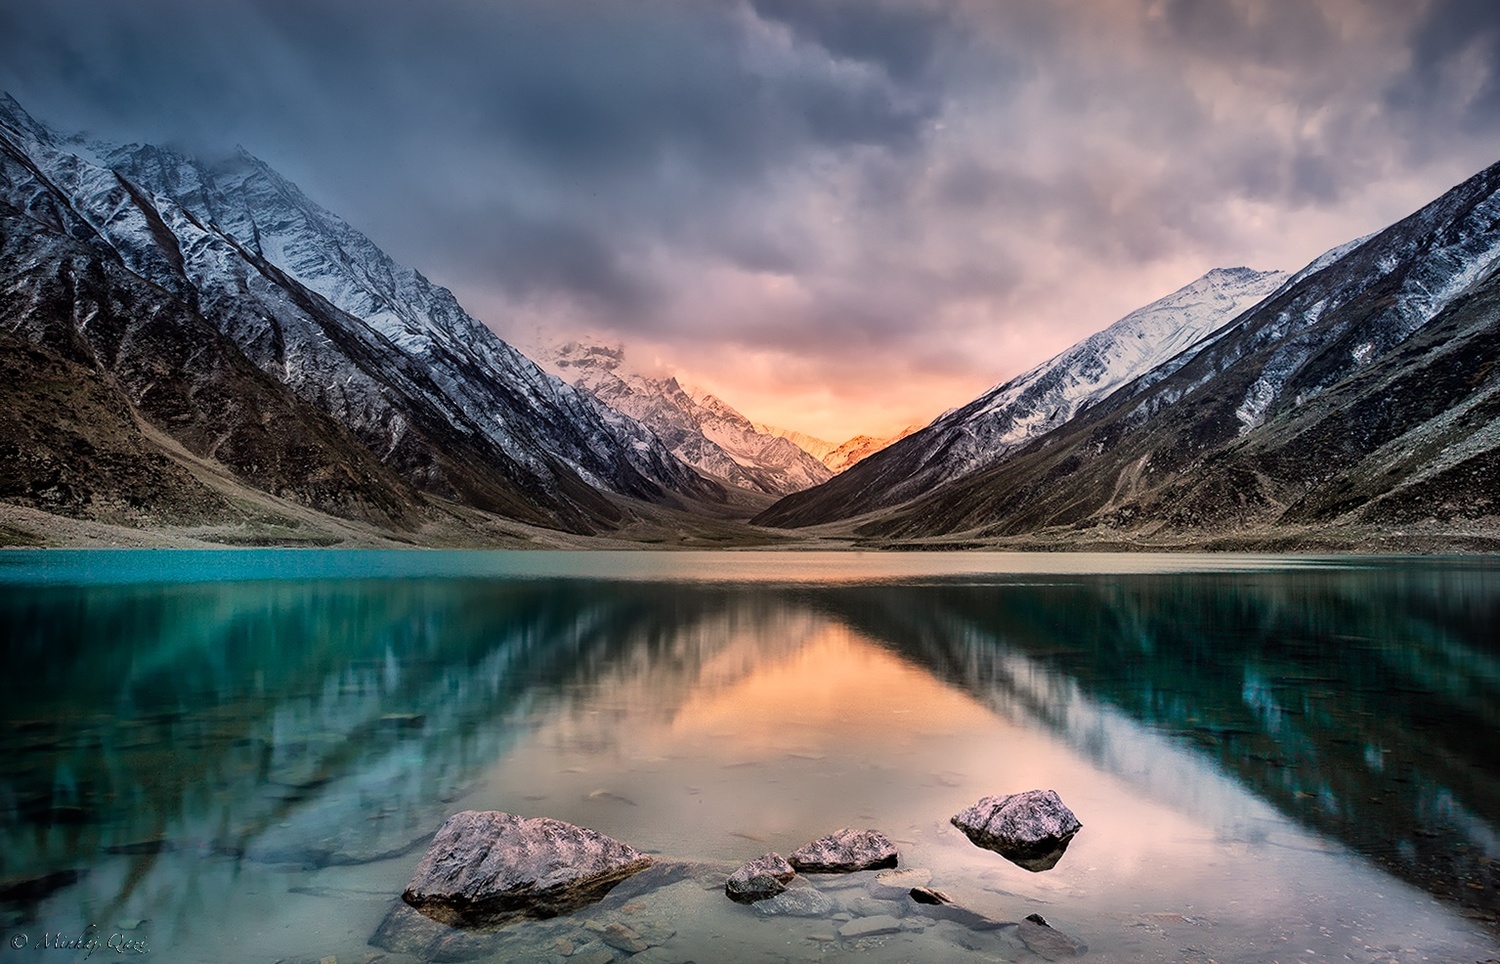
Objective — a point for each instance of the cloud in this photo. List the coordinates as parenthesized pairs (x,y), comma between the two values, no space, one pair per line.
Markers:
(874,198)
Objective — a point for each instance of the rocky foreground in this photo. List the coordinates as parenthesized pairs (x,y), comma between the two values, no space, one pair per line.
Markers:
(504,887)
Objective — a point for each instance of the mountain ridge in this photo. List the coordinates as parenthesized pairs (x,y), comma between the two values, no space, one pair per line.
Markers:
(455,412)
(1003,419)
(1239,442)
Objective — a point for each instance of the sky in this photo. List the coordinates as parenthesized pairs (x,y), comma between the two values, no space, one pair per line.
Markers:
(842,216)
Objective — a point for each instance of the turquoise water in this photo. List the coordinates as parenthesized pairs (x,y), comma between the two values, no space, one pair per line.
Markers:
(239,755)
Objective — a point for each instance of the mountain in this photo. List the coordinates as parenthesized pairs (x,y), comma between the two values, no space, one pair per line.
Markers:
(818,448)
(1011,414)
(836,457)
(1363,396)
(230,269)
(700,429)
(861,447)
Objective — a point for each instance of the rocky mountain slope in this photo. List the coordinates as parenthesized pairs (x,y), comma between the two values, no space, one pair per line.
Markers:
(1010,414)
(699,428)
(1363,392)
(361,382)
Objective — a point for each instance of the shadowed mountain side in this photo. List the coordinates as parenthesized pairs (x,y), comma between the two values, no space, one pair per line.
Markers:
(1365,392)
(1412,437)
(427,391)
(89,348)
(1362,392)
(1362,727)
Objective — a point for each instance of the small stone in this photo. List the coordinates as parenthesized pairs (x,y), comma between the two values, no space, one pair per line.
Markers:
(870,927)
(330,959)
(653,931)
(844,852)
(620,936)
(564,946)
(1031,829)
(798,902)
(926,895)
(594,952)
(975,909)
(870,907)
(659,955)
(765,876)
(1047,941)
(895,884)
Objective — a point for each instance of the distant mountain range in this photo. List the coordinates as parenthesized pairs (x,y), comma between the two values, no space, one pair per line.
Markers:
(699,428)
(836,456)
(197,347)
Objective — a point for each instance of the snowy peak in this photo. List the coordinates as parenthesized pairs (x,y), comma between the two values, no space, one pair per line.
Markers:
(1148,337)
(861,447)
(816,447)
(700,428)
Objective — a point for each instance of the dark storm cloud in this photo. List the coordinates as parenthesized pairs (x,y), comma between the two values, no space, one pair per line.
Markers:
(840,185)
(1460,36)
(560,132)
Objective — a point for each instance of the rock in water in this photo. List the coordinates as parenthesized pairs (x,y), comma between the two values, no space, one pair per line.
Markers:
(1030,829)
(1046,941)
(765,876)
(487,867)
(844,852)
(895,884)
(798,902)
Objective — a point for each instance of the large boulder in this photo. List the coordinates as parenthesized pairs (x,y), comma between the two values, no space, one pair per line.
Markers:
(760,879)
(1031,829)
(487,867)
(844,852)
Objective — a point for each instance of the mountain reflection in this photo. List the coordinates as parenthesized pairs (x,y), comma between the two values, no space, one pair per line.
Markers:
(337,722)
(1363,704)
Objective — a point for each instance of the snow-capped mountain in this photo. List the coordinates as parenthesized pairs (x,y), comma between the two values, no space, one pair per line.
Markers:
(840,456)
(1001,420)
(699,428)
(313,303)
(1362,393)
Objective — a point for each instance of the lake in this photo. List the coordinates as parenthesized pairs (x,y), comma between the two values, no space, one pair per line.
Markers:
(229,756)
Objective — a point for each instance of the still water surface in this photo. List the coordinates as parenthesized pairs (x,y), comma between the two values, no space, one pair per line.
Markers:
(238,756)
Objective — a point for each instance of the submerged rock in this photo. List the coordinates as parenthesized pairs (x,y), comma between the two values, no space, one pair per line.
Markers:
(870,927)
(762,878)
(798,902)
(844,852)
(1031,829)
(1047,941)
(976,910)
(895,884)
(488,867)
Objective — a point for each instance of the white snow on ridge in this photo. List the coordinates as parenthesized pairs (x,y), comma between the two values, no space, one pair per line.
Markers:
(1053,392)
